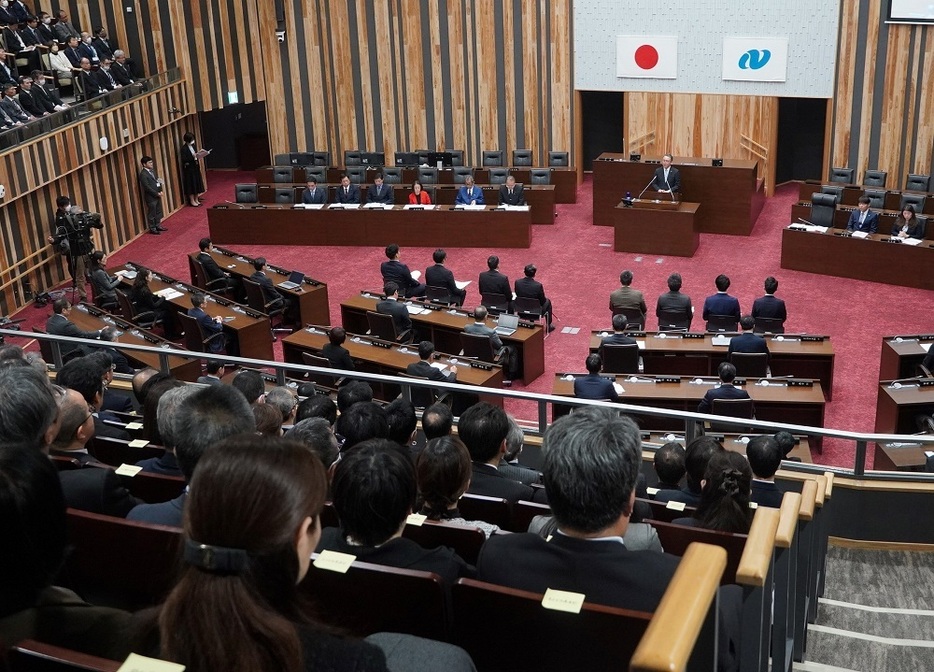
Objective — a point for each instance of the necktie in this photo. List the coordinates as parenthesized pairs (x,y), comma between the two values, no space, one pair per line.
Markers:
(510,192)
(862,218)
(112,82)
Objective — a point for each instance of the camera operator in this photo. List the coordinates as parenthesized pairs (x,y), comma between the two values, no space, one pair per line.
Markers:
(72,236)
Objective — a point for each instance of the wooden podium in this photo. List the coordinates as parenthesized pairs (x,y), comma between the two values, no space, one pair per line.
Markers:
(656,227)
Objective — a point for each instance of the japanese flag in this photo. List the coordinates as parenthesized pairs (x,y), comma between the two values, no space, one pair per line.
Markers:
(653,56)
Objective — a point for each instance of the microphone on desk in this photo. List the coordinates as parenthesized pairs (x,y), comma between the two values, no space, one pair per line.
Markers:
(645,188)
(802,220)
(670,192)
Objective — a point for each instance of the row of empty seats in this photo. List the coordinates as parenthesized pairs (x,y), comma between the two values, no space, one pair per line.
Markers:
(878,178)
(421,157)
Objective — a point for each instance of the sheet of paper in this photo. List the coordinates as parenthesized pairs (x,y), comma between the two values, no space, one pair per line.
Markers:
(461,284)
(138,443)
(911,241)
(720,340)
(127,470)
(416,519)
(641,344)
(563,600)
(619,388)
(138,663)
(675,506)
(334,561)
(134,425)
(439,366)
(416,274)
(415,206)
(201,153)
(860,234)
(652,491)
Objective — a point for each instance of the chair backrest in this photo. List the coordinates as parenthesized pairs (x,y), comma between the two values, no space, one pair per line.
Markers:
(115,452)
(198,276)
(245,193)
(353,158)
(316,360)
(282,174)
(621,358)
(126,306)
(523,512)
(490,509)
(284,195)
(916,200)
(194,339)
(836,192)
(922,227)
(357,174)
(492,157)
(438,294)
(32,656)
(528,307)
(477,346)
(661,511)
(522,157)
(466,540)
(392,175)
(254,295)
(771,325)
(823,207)
(495,303)
(750,364)
(119,563)
(427,175)
(876,198)
(457,157)
(843,175)
(918,182)
(634,317)
(875,178)
(282,160)
(382,326)
(318,173)
(422,156)
(322,158)
(422,396)
(374,598)
(721,323)
(673,319)
(540,176)
(558,159)
(676,539)
(498,175)
(461,173)
(731,408)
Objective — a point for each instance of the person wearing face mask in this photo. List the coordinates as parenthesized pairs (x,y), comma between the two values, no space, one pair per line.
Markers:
(15,45)
(60,63)
(31,35)
(192,182)
(45,28)
(87,49)
(40,90)
(6,15)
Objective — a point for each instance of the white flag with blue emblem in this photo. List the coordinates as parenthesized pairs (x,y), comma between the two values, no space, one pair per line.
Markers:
(755,59)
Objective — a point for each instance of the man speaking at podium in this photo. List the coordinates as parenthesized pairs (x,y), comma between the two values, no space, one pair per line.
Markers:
(667,179)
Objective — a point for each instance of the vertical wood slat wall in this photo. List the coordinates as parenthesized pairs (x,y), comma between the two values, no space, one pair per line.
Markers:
(883,105)
(400,75)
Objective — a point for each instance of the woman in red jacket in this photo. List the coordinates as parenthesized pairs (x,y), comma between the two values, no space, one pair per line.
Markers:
(419,196)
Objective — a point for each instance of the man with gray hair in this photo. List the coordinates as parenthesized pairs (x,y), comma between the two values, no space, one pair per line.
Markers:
(28,407)
(509,466)
(591,465)
(316,434)
(207,417)
(285,401)
(167,416)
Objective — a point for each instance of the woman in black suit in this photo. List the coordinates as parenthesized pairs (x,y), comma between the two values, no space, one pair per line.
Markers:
(907,224)
(192,183)
(145,301)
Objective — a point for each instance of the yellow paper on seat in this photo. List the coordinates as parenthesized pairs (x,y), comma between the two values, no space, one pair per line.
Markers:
(563,600)
(334,561)
(138,663)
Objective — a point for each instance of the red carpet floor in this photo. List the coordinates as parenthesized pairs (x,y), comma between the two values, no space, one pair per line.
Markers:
(579,269)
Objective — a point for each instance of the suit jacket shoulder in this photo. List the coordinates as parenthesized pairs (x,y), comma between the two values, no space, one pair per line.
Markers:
(97,490)
(489,482)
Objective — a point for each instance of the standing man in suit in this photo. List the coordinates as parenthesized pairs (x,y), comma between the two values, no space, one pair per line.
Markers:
(469,194)
(379,192)
(626,296)
(483,429)
(530,288)
(213,372)
(212,271)
(313,195)
(423,368)
(152,195)
(511,193)
(347,193)
(747,341)
(770,306)
(59,325)
(667,178)
(494,282)
(440,276)
(673,305)
(765,458)
(334,351)
(392,306)
(725,390)
(863,219)
(393,270)
(593,385)
(721,303)
(209,325)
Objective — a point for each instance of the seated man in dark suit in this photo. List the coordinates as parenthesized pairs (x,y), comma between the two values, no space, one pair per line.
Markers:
(619,336)
(334,351)
(215,272)
(863,219)
(59,325)
(591,464)
(769,306)
(167,415)
(392,306)
(696,457)
(209,325)
(423,368)
(347,193)
(494,282)
(748,341)
(669,466)
(273,299)
(379,192)
(721,303)
(213,372)
(393,270)
(511,193)
(483,428)
(313,195)
(725,390)
(765,458)
(84,375)
(530,288)
(117,359)
(374,491)
(507,354)
(440,276)
(593,385)
(673,302)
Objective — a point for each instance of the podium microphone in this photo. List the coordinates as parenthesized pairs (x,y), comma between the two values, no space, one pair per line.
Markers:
(670,192)
(645,188)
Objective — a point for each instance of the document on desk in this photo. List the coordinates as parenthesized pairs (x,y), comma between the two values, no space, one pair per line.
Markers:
(860,234)
(925,346)
(417,310)
(309,206)
(378,206)
(515,208)
(720,340)
(439,366)
(911,241)
(462,206)
(619,388)
(169,293)
(415,206)
(641,344)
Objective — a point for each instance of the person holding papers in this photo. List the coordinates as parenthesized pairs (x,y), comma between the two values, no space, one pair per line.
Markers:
(145,301)
(379,192)
(863,219)
(419,196)
(347,193)
(423,368)
(667,179)
(469,194)
(511,193)
(209,325)
(907,225)
(395,271)
(439,276)
(593,385)
(192,182)
(313,195)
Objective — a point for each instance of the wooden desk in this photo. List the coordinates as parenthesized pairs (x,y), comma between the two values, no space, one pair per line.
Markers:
(441,227)
(91,318)
(896,408)
(444,327)
(563,178)
(390,360)
(859,258)
(250,328)
(901,355)
(312,297)
(775,403)
(852,193)
(841,218)
(731,195)
(644,228)
(664,354)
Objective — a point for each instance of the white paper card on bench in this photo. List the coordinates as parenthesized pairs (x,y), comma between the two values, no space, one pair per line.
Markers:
(138,443)
(334,561)
(652,491)
(416,519)
(134,425)
(128,470)
(138,663)
(563,600)
(675,506)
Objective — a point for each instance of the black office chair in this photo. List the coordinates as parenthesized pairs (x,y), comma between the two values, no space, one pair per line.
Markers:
(771,325)
(282,174)
(478,346)
(457,157)
(634,317)
(195,339)
(620,358)
(875,178)
(318,173)
(492,158)
(529,308)
(461,173)
(428,175)
(320,378)
(836,192)
(440,295)
(876,198)
(257,301)
(422,156)
(322,159)
(145,319)
(357,174)
(922,227)
(674,320)
(558,159)
(495,303)
(843,175)
(283,195)
(353,158)
(731,408)
(721,323)
(750,364)
(917,182)
(823,208)
(540,176)
(245,193)
(282,160)
(498,175)
(392,175)
(384,327)
(522,157)
(424,396)
(916,200)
